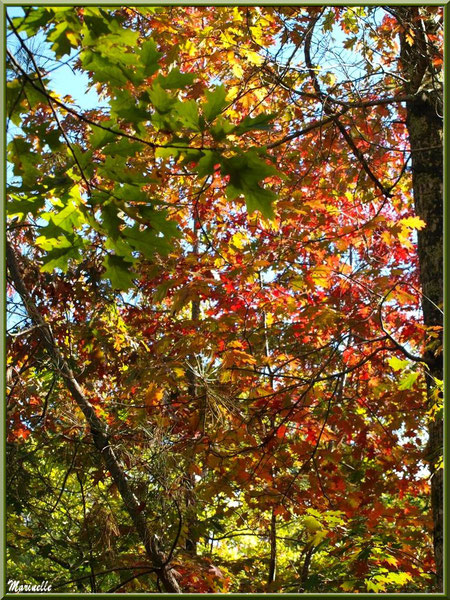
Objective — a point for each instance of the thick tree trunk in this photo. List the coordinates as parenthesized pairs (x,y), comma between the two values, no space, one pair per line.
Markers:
(425,127)
(98,430)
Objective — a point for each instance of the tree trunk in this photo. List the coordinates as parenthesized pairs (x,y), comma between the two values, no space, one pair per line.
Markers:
(193,391)
(425,128)
(308,552)
(273,548)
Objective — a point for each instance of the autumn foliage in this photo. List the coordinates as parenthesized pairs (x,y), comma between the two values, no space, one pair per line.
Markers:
(226,253)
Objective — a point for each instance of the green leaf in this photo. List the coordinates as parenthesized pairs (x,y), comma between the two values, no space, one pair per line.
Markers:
(119,36)
(123,147)
(14,95)
(260,122)
(206,164)
(70,217)
(167,152)
(103,70)
(329,21)
(407,382)
(347,586)
(117,270)
(120,247)
(95,24)
(54,139)
(111,221)
(246,171)
(129,192)
(175,80)
(133,113)
(159,220)
(59,258)
(164,122)
(215,102)
(124,106)
(52,237)
(61,43)
(372,586)
(221,128)
(188,113)
(256,198)
(116,168)
(22,206)
(20,153)
(365,553)
(233,192)
(146,241)
(35,21)
(149,57)
(312,524)
(83,160)
(100,137)
(161,100)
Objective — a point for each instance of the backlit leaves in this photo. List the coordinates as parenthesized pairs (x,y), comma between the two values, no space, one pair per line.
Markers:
(118,271)
(214,277)
(215,102)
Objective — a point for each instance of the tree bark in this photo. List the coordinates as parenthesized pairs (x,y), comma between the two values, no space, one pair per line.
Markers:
(308,552)
(193,391)
(273,548)
(97,427)
(425,128)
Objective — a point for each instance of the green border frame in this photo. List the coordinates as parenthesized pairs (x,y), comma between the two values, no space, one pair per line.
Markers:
(3,6)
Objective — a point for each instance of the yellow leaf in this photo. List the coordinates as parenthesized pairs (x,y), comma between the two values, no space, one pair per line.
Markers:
(269,319)
(319,537)
(190,48)
(312,524)
(145,345)
(257,34)
(235,344)
(413,223)
(227,40)
(238,71)
(72,38)
(233,91)
(254,57)
(321,276)
(153,395)
(239,240)
(231,57)
(237,14)
(331,79)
